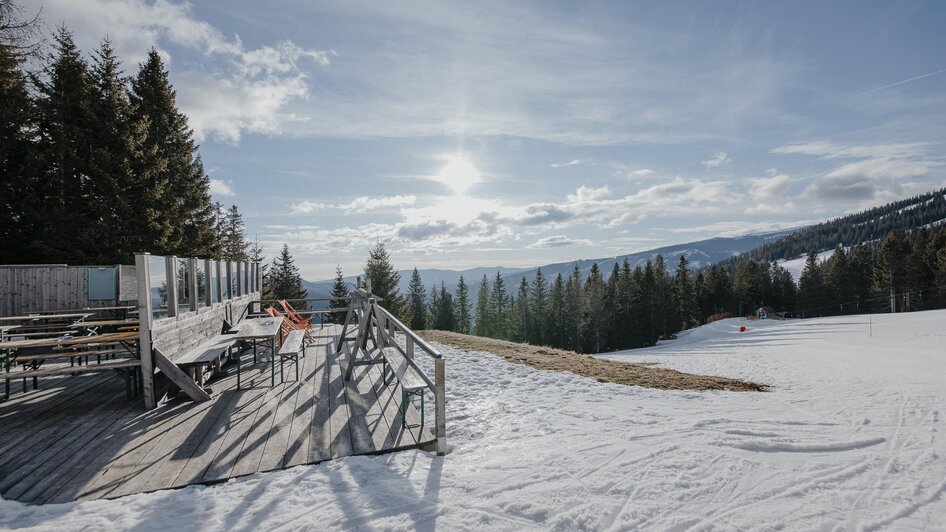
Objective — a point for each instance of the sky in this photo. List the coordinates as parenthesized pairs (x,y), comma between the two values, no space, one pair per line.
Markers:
(466,134)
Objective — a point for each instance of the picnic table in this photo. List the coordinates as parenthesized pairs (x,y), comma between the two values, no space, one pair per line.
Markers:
(64,347)
(118,311)
(94,326)
(264,330)
(46,318)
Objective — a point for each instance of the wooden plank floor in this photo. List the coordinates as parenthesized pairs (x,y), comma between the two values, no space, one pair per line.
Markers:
(79,438)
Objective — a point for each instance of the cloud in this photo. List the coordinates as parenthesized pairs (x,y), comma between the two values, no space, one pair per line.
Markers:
(359,204)
(236,89)
(643,172)
(717,159)
(219,187)
(558,241)
(770,194)
(573,162)
(872,173)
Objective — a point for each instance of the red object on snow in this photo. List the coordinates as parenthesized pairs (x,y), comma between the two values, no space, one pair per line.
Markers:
(742,329)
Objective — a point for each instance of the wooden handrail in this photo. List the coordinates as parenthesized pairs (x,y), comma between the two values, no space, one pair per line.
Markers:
(411,334)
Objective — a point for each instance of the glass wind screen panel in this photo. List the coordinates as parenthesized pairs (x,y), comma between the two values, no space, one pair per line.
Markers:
(246,278)
(183,284)
(234,275)
(256,277)
(158,285)
(225,281)
(201,283)
(214,280)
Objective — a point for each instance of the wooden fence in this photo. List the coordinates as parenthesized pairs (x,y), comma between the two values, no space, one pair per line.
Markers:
(29,288)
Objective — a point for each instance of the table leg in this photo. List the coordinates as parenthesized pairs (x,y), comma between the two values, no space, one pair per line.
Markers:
(272,363)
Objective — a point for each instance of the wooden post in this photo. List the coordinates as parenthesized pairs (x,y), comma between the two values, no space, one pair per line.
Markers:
(440,399)
(409,347)
(144,328)
(208,290)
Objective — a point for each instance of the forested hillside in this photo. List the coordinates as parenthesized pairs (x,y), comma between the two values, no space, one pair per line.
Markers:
(872,224)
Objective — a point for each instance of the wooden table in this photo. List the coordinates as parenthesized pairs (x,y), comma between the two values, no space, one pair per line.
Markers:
(119,311)
(46,318)
(9,350)
(262,329)
(93,326)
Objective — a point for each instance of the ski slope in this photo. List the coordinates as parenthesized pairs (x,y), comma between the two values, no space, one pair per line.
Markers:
(850,438)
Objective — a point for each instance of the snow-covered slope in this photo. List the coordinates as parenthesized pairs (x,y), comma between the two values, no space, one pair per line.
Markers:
(851,437)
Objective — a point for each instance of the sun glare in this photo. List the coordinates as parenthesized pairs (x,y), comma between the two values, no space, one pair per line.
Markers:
(458,174)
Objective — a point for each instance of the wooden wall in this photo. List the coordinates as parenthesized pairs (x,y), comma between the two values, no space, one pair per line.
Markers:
(178,334)
(44,287)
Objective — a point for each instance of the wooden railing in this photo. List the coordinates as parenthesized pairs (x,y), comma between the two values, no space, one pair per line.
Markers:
(386,326)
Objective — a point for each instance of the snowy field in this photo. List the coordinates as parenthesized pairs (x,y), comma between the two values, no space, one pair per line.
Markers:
(850,438)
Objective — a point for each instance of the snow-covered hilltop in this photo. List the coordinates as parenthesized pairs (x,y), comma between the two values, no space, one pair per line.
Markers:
(851,436)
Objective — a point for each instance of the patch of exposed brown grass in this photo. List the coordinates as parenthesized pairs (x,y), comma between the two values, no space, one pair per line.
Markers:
(632,374)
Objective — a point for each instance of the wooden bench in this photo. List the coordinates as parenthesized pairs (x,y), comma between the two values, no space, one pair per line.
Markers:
(207,354)
(127,366)
(412,384)
(292,345)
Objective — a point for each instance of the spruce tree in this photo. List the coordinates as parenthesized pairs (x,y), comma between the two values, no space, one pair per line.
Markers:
(285,279)
(18,180)
(65,118)
(462,310)
(523,313)
(417,306)
(484,326)
(538,298)
(185,223)
(811,287)
(685,294)
(593,315)
(555,321)
(233,244)
(340,293)
(892,271)
(384,281)
(499,308)
(572,320)
(442,316)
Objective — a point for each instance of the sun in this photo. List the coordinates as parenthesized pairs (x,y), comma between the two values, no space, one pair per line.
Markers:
(459,174)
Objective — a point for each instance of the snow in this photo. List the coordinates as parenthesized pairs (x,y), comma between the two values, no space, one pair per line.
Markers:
(797,265)
(850,437)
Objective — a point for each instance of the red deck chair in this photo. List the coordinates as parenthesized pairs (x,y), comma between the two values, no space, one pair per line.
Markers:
(296,318)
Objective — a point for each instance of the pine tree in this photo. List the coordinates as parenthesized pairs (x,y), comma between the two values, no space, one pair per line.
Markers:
(484,325)
(572,320)
(891,272)
(555,322)
(462,310)
(523,313)
(285,279)
(811,286)
(340,296)
(233,244)
(685,294)
(185,224)
(442,317)
(384,281)
(538,298)
(594,312)
(18,180)
(499,308)
(65,117)
(417,302)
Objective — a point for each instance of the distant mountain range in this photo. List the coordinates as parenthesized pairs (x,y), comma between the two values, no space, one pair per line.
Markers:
(701,253)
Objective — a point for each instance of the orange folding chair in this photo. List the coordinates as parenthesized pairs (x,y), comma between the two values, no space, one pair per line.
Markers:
(287,325)
(296,318)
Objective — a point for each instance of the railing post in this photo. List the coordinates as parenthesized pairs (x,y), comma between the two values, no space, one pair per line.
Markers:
(409,346)
(440,380)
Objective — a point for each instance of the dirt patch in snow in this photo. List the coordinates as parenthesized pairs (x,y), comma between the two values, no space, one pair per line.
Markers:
(632,374)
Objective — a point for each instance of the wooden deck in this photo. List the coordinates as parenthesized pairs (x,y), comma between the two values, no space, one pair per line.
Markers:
(78,437)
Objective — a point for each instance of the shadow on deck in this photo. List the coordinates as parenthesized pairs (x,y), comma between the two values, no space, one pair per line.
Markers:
(79,438)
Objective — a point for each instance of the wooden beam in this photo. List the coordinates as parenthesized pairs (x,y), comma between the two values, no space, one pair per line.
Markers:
(178,377)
